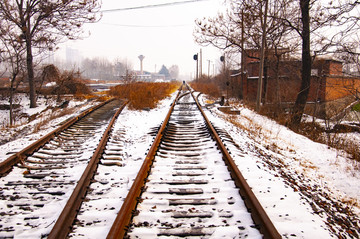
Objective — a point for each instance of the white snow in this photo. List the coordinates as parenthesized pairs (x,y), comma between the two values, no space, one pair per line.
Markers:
(327,166)
(282,167)
(269,149)
(46,119)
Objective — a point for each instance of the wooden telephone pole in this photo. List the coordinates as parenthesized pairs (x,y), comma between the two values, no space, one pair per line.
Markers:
(261,67)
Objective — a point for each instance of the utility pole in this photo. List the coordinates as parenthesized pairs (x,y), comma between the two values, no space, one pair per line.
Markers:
(222,59)
(209,69)
(200,70)
(261,65)
(242,57)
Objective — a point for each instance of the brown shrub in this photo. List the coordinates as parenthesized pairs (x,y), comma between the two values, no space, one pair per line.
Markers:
(144,94)
(207,88)
(70,83)
(103,98)
(318,134)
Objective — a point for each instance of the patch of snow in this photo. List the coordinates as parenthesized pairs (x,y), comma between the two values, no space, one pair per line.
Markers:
(45,117)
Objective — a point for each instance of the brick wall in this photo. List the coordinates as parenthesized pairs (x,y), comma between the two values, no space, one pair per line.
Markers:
(339,87)
(327,81)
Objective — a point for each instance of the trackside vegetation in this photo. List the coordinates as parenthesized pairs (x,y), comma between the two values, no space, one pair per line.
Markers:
(144,95)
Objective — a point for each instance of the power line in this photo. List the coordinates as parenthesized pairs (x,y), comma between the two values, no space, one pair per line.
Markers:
(147,26)
(152,6)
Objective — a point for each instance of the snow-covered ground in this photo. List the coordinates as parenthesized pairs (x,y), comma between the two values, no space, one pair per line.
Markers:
(32,124)
(331,168)
(132,131)
(308,189)
(294,177)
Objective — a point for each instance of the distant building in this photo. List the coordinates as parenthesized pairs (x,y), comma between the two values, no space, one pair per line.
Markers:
(142,76)
(156,77)
(73,56)
(149,77)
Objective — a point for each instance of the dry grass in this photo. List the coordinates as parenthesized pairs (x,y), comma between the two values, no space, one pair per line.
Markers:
(310,130)
(82,96)
(318,134)
(209,88)
(103,98)
(315,132)
(144,95)
(56,113)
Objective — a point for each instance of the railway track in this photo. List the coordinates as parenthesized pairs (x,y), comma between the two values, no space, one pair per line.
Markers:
(189,186)
(37,181)
(74,187)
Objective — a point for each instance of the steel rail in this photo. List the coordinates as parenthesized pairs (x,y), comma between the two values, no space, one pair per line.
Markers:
(7,164)
(258,213)
(64,223)
(119,227)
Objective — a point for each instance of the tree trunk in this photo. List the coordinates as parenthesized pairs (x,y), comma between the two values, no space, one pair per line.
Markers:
(265,82)
(30,66)
(30,69)
(11,100)
(302,96)
(277,77)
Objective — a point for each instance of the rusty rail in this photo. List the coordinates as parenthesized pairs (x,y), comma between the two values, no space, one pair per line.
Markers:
(63,225)
(7,164)
(258,213)
(123,218)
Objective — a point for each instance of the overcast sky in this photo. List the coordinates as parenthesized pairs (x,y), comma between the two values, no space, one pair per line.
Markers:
(164,35)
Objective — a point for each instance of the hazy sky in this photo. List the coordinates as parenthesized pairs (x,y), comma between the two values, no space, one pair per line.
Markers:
(164,35)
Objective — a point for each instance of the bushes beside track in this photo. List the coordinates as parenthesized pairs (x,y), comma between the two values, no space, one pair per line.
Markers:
(207,88)
(144,95)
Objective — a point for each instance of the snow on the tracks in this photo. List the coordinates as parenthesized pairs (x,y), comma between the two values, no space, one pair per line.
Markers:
(288,172)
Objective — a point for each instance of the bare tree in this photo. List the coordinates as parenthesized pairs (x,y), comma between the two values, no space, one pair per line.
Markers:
(290,22)
(349,53)
(347,40)
(41,24)
(302,96)
(320,21)
(238,30)
(102,69)
(244,17)
(119,68)
(13,56)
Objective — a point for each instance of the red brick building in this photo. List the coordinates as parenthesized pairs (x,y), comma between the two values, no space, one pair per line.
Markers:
(282,78)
